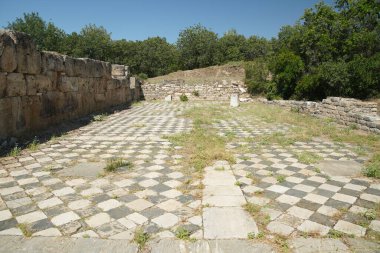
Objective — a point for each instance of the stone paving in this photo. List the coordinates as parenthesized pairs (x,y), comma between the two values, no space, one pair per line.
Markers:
(38,195)
(299,199)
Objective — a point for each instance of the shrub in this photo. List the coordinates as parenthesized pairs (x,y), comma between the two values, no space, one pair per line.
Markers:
(196,93)
(288,69)
(373,168)
(142,76)
(256,76)
(183,98)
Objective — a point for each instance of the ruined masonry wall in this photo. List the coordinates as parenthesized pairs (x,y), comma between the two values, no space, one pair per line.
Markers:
(38,89)
(346,111)
(218,90)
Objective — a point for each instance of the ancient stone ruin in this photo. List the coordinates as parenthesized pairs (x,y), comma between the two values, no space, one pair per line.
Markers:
(347,111)
(38,89)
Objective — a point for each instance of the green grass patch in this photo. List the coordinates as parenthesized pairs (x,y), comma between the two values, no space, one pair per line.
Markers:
(15,151)
(202,145)
(25,229)
(308,157)
(372,168)
(182,233)
(114,163)
(99,117)
(33,146)
(141,238)
(280,178)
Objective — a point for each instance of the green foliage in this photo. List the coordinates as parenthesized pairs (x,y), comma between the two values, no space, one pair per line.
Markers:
(33,146)
(288,69)
(99,117)
(142,76)
(183,98)
(156,57)
(195,93)
(15,151)
(372,169)
(46,35)
(339,49)
(182,233)
(257,76)
(114,163)
(94,42)
(197,47)
(231,47)
(141,238)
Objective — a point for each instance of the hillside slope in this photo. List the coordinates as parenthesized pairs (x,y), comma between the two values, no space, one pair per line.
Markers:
(229,72)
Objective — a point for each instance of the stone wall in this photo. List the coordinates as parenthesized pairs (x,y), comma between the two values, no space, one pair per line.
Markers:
(217,90)
(346,111)
(38,89)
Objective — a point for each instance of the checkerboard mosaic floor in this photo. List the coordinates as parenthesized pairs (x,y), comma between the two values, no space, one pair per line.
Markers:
(34,196)
(297,198)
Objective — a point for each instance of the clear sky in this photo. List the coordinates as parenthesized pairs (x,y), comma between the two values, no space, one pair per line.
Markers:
(140,19)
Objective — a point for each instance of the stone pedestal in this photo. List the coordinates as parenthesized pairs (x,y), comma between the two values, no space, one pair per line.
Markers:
(234,101)
(168,98)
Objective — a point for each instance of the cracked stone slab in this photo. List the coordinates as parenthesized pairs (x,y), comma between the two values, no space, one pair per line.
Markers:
(340,168)
(209,246)
(18,244)
(317,245)
(227,223)
(86,170)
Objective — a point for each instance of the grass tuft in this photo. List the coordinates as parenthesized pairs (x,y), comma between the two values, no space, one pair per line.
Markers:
(114,163)
(25,229)
(99,117)
(33,146)
(308,157)
(182,233)
(15,151)
(141,238)
(372,169)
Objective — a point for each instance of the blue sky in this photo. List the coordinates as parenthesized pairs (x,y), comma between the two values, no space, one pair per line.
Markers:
(140,19)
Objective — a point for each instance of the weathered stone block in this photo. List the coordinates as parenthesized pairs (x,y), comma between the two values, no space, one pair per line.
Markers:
(18,114)
(100,97)
(16,85)
(3,85)
(68,84)
(92,68)
(107,69)
(118,70)
(28,58)
(132,82)
(8,61)
(74,66)
(43,83)
(31,85)
(52,61)
(5,116)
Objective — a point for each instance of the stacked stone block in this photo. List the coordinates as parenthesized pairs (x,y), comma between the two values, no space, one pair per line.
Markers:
(38,89)
(347,111)
(218,90)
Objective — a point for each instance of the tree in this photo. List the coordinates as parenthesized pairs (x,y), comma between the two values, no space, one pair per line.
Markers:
(197,47)
(231,47)
(288,69)
(256,47)
(47,36)
(157,57)
(94,42)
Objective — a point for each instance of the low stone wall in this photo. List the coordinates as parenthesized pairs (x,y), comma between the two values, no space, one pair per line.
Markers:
(218,90)
(346,111)
(38,89)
